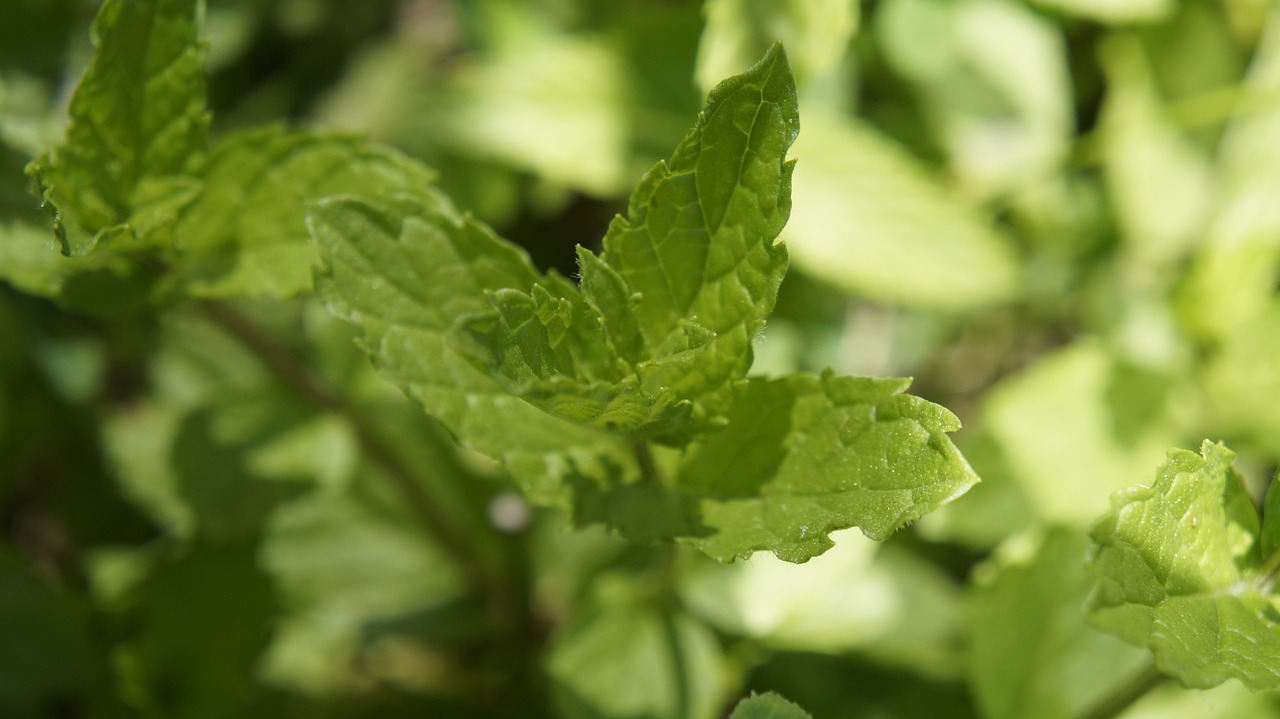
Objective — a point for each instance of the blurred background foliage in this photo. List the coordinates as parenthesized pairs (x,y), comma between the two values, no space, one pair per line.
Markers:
(1058,216)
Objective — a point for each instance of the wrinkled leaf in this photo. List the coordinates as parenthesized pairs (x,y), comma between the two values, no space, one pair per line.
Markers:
(799,458)
(1180,571)
(138,128)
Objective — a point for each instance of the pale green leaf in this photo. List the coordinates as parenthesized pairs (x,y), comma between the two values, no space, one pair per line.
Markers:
(615,659)
(817,31)
(547,103)
(798,459)
(861,596)
(871,220)
(1114,12)
(1111,420)
(138,127)
(1031,655)
(993,79)
(1232,281)
(697,246)
(1180,571)
(1158,178)
(767,706)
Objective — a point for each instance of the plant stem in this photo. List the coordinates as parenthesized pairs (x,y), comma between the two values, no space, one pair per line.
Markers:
(286,367)
(649,470)
(1137,687)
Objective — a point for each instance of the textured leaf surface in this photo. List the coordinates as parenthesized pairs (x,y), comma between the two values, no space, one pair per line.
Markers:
(137,130)
(403,271)
(1180,570)
(767,706)
(695,254)
(799,458)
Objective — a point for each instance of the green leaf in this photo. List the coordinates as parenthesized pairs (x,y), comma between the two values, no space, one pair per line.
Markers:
(246,234)
(1030,653)
(817,31)
(864,596)
(138,127)
(403,271)
(695,257)
(767,706)
(620,658)
(48,655)
(1110,420)
(872,220)
(798,458)
(1179,570)
(202,621)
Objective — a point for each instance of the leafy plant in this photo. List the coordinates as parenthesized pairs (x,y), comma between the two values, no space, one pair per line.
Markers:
(284,431)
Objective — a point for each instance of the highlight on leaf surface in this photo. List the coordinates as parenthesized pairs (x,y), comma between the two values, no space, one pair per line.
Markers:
(1184,568)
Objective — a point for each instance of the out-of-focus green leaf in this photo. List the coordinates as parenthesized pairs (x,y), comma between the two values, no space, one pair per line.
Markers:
(552,104)
(859,596)
(1225,701)
(101,284)
(47,657)
(622,659)
(767,706)
(869,219)
(1159,180)
(1030,653)
(1180,571)
(1113,11)
(341,563)
(138,128)
(1107,421)
(1232,281)
(798,458)
(246,235)
(993,78)
(817,31)
(202,622)
(1239,379)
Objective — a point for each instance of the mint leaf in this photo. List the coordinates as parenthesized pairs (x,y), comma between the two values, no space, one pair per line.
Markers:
(695,257)
(246,234)
(138,128)
(404,270)
(514,365)
(1179,570)
(681,288)
(767,706)
(798,458)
